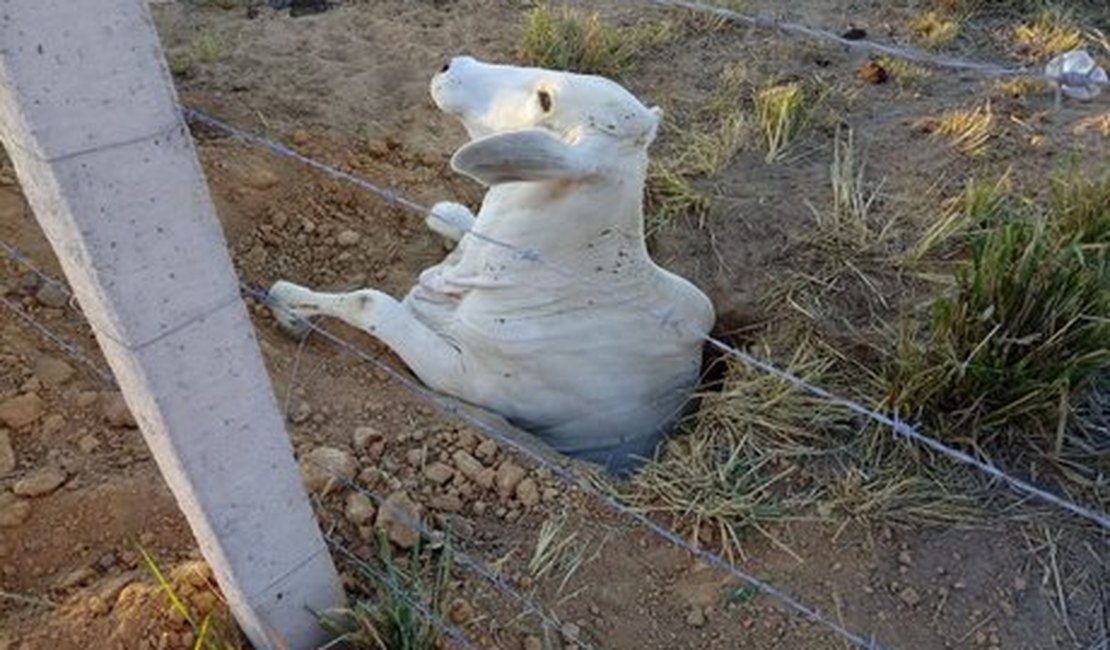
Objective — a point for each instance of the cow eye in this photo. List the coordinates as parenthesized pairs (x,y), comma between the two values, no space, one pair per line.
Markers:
(545,100)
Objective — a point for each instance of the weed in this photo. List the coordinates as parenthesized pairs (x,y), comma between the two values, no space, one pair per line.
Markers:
(1023,328)
(393,612)
(904,73)
(782,114)
(933,29)
(558,552)
(671,194)
(210,45)
(1046,36)
(567,39)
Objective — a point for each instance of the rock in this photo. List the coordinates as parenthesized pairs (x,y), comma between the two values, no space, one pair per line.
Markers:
(106,561)
(570,631)
(7,454)
(904,558)
(21,411)
(116,411)
(509,475)
(13,511)
(261,179)
(399,516)
(696,617)
(415,457)
(52,294)
(85,399)
(88,443)
(40,482)
(359,509)
(909,596)
(460,611)
(323,468)
(486,451)
(486,477)
(347,238)
(467,465)
(532,643)
(364,436)
(53,372)
(75,578)
(439,473)
(527,493)
(53,423)
(446,503)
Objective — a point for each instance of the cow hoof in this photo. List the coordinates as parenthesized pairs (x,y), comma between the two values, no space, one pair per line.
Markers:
(288,320)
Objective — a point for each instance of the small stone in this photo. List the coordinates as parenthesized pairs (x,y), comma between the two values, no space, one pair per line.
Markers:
(446,503)
(40,482)
(88,443)
(570,631)
(85,399)
(359,509)
(873,73)
(439,473)
(527,493)
(460,611)
(909,596)
(116,411)
(13,511)
(21,411)
(531,643)
(364,436)
(399,516)
(468,439)
(323,468)
(509,475)
(480,507)
(53,372)
(261,179)
(415,457)
(905,558)
(7,454)
(467,465)
(486,477)
(1020,583)
(75,578)
(486,451)
(53,423)
(696,617)
(52,294)
(106,561)
(347,238)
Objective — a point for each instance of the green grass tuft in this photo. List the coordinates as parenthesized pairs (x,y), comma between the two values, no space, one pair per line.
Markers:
(568,39)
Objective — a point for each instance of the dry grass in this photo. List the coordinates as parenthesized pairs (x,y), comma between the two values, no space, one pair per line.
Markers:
(573,40)
(934,29)
(1046,36)
(782,113)
(968,130)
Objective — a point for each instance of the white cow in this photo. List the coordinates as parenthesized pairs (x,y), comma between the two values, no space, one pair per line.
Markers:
(585,358)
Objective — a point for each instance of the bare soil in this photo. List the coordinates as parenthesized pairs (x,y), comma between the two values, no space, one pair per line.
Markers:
(349,86)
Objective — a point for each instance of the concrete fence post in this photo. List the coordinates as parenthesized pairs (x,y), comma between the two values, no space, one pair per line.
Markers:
(90,119)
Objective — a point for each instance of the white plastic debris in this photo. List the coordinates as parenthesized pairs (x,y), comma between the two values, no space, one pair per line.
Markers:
(1077,74)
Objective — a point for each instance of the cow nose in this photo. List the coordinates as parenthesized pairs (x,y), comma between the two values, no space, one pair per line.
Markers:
(445,68)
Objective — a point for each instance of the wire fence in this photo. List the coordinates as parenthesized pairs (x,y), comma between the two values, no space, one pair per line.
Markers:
(498,430)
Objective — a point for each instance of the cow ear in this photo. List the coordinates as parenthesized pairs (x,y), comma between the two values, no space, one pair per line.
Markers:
(516,156)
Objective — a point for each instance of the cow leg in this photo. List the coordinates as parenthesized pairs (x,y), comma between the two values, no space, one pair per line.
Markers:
(451,220)
(430,356)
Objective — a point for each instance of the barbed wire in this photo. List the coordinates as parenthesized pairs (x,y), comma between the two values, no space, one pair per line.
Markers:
(1070,80)
(667,318)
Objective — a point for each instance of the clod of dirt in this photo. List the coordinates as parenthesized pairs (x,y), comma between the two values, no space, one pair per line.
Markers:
(439,473)
(21,411)
(467,465)
(13,510)
(486,451)
(116,411)
(347,238)
(52,295)
(527,493)
(53,372)
(399,517)
(509,476)
(460,612)
(446,503)
(873,73)
(7,454)
(532,643)
(909,596)
(696,617)
(53,423)
(40,482)
(88,443)
(261,179)
(363,437)
(322,468)
(85,398)
(359,509)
